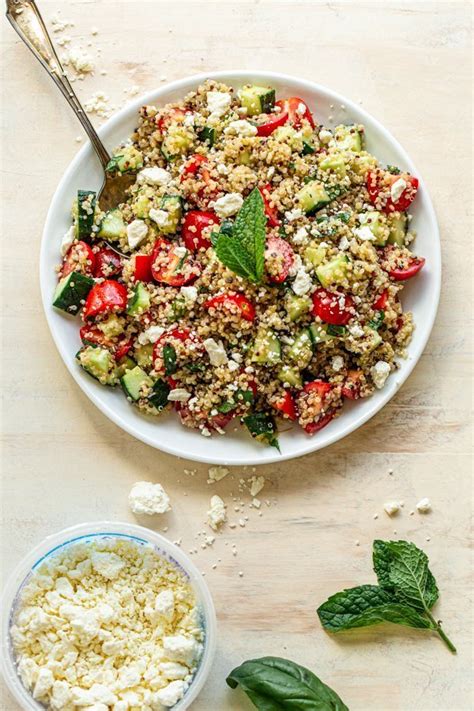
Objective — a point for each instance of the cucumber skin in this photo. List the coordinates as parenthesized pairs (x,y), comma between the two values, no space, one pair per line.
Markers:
(70,297)
(84,220)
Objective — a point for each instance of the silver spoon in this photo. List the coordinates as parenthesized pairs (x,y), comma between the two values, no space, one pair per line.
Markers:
(26,20)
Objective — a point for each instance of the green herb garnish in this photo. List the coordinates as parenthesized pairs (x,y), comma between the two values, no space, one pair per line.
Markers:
(405,594)
(243,251)
(159,394)
(275,684)
(113,164)
(169,359)
(376,322)
(262,427)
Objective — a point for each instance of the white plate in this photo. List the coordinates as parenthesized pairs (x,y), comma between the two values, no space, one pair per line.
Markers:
(236,447)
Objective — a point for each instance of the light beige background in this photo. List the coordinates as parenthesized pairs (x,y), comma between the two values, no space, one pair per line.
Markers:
(64,463)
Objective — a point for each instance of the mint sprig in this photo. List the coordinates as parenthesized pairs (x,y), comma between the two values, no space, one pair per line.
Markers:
(243,250)
(405,594)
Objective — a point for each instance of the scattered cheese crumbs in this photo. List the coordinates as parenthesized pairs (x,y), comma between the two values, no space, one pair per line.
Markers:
(397,189)
(256,485)
(151,335)
(216,515)
(179,395)
(154,176)
(94,31)
(190,293)
(424,506)
(364,233)
(148,498)
(78,139)
(137,231)
(241,128)
(256,503)
(133,643)
(300,236)
(98,104)
(337,363)
(302,283)
(67,240)
(215,351)
(380,372)
(391,507)
(294,214)
(80,61)
(228,204)
(218,103)
(216,474)
(325,135)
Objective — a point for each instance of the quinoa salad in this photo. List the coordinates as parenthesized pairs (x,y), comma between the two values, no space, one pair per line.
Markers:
(254,271)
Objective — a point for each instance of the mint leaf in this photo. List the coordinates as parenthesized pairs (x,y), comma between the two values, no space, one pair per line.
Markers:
(402,568)
(243,250)
(364,606)
(276,684)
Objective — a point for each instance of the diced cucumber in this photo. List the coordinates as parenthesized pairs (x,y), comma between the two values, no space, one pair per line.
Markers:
(361,163)
(127,159)
(314,255)
(126,363)
(291,376)
(297,306)
(173,206)
(98,362)
(301,350)
(315,195)
(134,382)
(334,162)
(159,394)
(86,202)
(398,226)
(257,99)
(140,301)
(333,272)
(287,134)
(244,157)
(71,291)
(142,204)
(113,226)
(377,223)
(207,135)
(144,355)
(349,138)
(266,348)
(177,142)
(112,326)
(322,332)
(263,428)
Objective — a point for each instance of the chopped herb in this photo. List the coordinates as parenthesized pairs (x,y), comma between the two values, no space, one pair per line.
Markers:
(333,330)
(393,169)
(113,164)
(377,321)
(169,358)
(262,427)
(159,394)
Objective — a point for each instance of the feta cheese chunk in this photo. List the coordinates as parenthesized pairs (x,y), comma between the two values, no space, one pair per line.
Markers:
(154,176)
(180,648)
(148,498)
(256,485)
(240,128)
(380,372)
(424,506)
(302,283)
(337,363)
(218,103)
(171,694)
(228,204)
(216,473)
(215,351)
(161,217)
(300,236)
(364,233)
(107,564)
(67,241)
(397,189)
(190,293)
(164,604)
(294,214)
(136,233)
(179,395)
(391,507)
(151,335)
(216,515)
(44,682)
(325,135)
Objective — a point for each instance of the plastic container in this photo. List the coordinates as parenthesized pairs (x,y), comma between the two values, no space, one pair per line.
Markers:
(105,529)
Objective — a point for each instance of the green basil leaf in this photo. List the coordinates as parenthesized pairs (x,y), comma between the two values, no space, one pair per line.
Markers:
(377,321)
(169,359)
(159,394)
(262,427)
(402,568)
(367,605)
(276,684)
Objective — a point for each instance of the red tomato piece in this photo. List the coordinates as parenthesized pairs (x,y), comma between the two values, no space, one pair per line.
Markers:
(182,335)
(297,111)
(313,427)
(168,117)
(107,297)
(220,421)
(107,263)
(196,229)
(79,258)
(352,384)
(171,267)
(412,268)
(142,270)
(92,334)
(280,257)
(287,406)
(270,212)
(193,165)
(237,303)
(333,308)
(322,416)
(379,185)
(272,122)
(381,302)
(122,348)
(404,266)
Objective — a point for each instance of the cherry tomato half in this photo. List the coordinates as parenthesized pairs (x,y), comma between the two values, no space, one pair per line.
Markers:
(381,302)
(107,297)
(142,271)
(352,384)
(169,116)
(322,415)
(379,187)
(270,212)
(107,263)
(236,303)
(171,266)
(272,122)
(196,229)
(297,111)
(401,265)
(287,406)
(279,257)
(333,308)
(79,258)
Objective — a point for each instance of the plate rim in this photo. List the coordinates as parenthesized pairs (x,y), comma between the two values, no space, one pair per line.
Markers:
(266,455)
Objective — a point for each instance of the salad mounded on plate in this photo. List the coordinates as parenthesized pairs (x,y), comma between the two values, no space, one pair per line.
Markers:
(262,260)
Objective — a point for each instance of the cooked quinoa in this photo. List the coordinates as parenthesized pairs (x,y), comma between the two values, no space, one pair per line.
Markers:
(180,325)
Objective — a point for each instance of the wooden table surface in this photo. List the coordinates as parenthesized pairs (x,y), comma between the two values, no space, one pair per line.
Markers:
(63,462)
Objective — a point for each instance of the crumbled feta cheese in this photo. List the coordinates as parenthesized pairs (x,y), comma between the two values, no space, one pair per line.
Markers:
(240,128)
(170,695)
(154,176)
(107,564)
(216,515)
(98,104)
(190,293)
(325,135)
(397,189)
(424,506)
(356,330)
(44,682)
(343,243)
(161,217)
(137,231)
(233,366)
(215,351)
(391,507)
(256,485)
(300,236)
(294,214)
(380,372)
(302,283)
(364,233)
(228,204)
(189,120)
(151,335)
(173,670)
(180,648)
(180,252)
(301,109)
(148,498)
(164,604)
(218,103)
(337,363)
(67,241)
(216,474)
(79,60)
(178,395)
